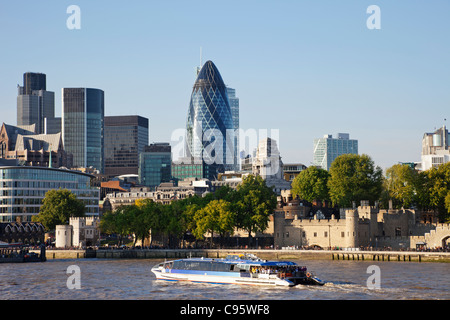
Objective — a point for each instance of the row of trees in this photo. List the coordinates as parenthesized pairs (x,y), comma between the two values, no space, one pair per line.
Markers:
(220,213)
(353,178)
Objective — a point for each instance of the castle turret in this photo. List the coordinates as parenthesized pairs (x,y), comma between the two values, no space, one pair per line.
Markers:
(351,221)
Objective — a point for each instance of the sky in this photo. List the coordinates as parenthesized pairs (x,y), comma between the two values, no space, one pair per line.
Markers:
(303,68)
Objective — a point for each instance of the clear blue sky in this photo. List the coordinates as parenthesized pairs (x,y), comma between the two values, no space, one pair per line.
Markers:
(307,68)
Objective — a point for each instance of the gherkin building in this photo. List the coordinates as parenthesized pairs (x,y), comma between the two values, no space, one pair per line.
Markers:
(209,126)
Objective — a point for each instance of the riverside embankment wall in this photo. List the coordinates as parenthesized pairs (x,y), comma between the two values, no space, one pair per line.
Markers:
(263,254)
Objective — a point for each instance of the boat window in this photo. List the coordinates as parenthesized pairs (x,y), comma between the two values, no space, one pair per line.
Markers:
(201,265)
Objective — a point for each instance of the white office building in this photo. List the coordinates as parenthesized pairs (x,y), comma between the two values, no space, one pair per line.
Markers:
(327,149)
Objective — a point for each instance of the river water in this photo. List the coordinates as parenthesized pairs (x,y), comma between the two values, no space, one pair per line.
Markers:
(103,279)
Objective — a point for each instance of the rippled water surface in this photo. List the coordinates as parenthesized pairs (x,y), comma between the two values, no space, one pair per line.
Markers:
(132,279)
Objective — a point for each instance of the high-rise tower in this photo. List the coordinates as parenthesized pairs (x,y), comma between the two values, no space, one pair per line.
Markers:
(209,126)
(34,102)
(327,149)
(83,112)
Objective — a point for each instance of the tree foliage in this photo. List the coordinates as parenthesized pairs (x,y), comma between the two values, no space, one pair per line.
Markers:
(255,204)
(447,206)
(221,212)
(216,216)
(311,184)
(402,185)
(354,178)
(57,207)
(437,186)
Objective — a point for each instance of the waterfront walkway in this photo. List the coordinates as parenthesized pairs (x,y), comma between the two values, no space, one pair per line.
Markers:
(404,256)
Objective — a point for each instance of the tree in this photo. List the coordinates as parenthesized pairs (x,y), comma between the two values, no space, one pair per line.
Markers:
(216,216)
(447,205)
(255,203)
(118,221)
(311,184)
(57,207)
(146,217)
(437,184)
(354,178)
(401,185)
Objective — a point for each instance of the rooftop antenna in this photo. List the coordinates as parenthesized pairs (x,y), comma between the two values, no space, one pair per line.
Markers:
(201,62)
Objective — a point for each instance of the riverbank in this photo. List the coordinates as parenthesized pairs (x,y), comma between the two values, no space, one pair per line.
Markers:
(403,256)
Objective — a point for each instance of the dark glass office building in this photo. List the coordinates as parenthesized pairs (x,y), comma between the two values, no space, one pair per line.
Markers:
(125,138)
(155,164)
(209,127)
(82,122)
(34,102)
(195,168)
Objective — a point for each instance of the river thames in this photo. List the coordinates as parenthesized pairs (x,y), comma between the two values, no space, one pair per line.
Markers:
(117,279)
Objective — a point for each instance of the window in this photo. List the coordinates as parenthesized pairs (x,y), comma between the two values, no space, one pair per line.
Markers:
(342,234)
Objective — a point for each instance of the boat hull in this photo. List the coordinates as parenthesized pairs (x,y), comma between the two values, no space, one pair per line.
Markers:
(234,278)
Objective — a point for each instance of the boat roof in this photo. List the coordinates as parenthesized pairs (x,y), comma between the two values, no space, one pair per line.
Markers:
(252,262)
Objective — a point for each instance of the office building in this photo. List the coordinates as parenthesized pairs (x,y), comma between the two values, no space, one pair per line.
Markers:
(22,190)
(155,164)
(209,126)
(83,126)
(52,125)
(435,148)
(125,138)
(327,149)
(234,107)
(34,102)
(195,168)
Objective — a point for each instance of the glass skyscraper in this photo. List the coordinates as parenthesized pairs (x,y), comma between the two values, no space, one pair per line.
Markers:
(327,149)
(83,112)
(34,102)
(155,164)
(234,107)
(209,126)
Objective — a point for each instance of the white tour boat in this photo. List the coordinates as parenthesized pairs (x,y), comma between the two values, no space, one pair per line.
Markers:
(235,269)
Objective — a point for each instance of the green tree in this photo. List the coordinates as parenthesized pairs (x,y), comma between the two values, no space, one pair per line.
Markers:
(447,206)
(401,185)
(255,204)
(216,216)
(311,184)
(145,218)
(57,207)
(354,178)
(437,184)
(119,221)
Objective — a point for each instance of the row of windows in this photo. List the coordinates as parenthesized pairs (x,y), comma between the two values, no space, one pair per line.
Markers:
(201,265)
(41,175)
(37,201)
(33,210)
(41,193)
(9,184)
(20,201)
(315,234)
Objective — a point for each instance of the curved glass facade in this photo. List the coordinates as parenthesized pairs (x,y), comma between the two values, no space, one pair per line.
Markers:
(23,188)
(209,126)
